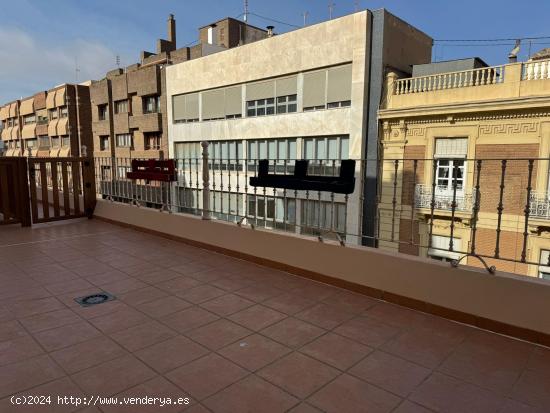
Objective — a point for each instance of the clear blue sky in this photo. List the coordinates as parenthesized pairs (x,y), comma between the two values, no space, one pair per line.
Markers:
(41,39)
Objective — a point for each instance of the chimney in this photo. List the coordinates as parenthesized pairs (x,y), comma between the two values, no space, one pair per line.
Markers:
(172,30)
(270,31)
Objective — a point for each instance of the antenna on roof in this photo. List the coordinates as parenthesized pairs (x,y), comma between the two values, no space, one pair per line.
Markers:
(76,69)
(356,2)
(304,15)
(330,9)
(117,59)
(246,11)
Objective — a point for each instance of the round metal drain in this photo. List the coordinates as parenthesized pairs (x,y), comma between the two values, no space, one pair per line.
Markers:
(95,299)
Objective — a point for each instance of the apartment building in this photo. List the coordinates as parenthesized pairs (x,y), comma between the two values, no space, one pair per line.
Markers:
(311,93)
(54,123)
(129,105)
(465,171)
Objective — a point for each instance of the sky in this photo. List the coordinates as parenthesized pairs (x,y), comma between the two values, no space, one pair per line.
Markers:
(42,42)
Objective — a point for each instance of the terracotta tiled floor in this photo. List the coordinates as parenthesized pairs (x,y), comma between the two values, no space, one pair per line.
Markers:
(232,336)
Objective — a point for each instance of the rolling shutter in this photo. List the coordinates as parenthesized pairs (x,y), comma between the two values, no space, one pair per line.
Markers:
(339,84)
(262,90)
(213,106)
(287,86)
(233,100)
(451,148)
(314,88)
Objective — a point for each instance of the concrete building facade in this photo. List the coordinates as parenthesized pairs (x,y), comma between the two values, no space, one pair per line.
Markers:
(312,93)
(478,139)
(54,123)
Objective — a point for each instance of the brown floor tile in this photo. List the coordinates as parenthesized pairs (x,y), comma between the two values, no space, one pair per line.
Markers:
(157,387)
(533,388)
(540,359)
(123,286)
(410,407)
(201,293)
(143,335)
(163,306)
(336,350)
(192,267)
(396,316)
(197,408)
(298,374)
(109,276)
(142,295)
(87,354)
(289,303)
(254,352)
(10,330)
(446,394)
(257,317)
(227,304)
(172,353)
(67,335)
(118,320)
(247,395)
(367,330)
(97,310)
(350,302)
(178,285)
(27,374)
(325,316)
(113,376)
(347,394)
(18,349)
(315,291)
(232,284)
(292,332)
(489,361)
(513,406)
(390,373)
(52,319)
(26,308)
(157,276)
(218,334)
(258,292)
(206,376)
(210,275)
(189,318)
(63,387)
(68,286)
(304,408)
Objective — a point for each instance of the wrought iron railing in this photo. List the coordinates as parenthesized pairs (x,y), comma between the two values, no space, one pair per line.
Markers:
(443,199)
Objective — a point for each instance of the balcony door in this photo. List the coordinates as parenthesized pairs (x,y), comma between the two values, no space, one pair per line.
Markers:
(450,157)
(448,171)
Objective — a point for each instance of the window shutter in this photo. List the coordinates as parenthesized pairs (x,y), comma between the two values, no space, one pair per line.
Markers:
(233,100)
(443,242)
(178,107)
(261,90)
(213,104)
(287,86)
(339,84)
(314,89)
(191,106)
(451,148)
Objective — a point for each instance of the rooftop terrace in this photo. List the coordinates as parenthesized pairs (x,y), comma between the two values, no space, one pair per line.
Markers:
(233,336)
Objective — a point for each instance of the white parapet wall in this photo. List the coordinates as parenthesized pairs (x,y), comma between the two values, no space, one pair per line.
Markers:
(515,301)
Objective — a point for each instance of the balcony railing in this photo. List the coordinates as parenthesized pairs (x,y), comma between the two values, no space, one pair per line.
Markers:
(536,70)
(443,198)
(451,80)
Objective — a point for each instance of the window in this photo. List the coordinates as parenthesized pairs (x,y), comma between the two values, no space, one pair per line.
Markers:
(271,212)
(448,172)
(122,171)
(321,217)
(55,142)
(121,106)
(63,112)
(185,108)
(342,104)
(226,155)
(65,141)
(29,119)
(151,104)
(44,141)
(42,117)
(103,112)
(312,108)
(152,140)
(30,143)
(260,107)
(226,205)
(125,141)
(324,154)
(104,143)
(105,173)
(188,151)
(440,249)
(283,151)
(52,114)
(287,104)
(544,268)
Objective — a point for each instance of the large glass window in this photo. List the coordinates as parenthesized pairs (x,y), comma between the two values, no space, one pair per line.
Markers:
(103,112)
(448,172)
(287,104)
(44,141)
(152,140)
(260,107)
(104,143)
(281,151)
(544,267)
(29,119)
(325,153)
(151,104)
(226,155)
(121,106)
(271,212)
(323,218)
(125,140)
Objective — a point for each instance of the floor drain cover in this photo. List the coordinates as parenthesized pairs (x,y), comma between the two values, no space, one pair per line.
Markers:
(93,299)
